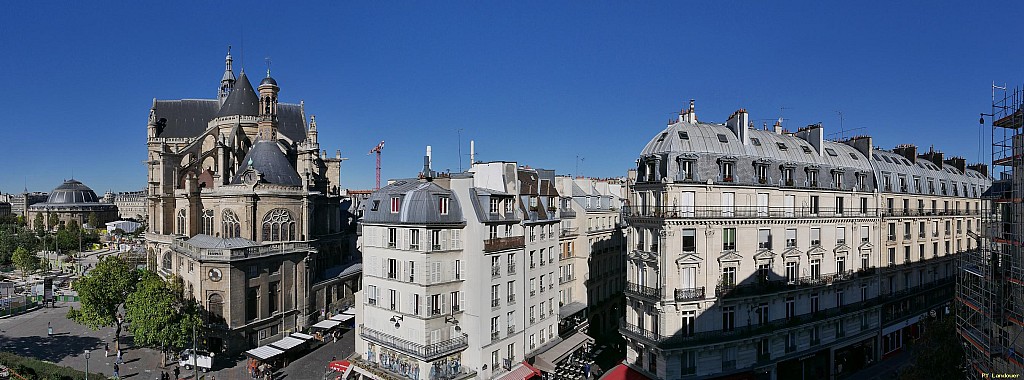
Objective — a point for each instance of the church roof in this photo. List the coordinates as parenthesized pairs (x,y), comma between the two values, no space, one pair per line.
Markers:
(242,100)
(266,157)
(190,117)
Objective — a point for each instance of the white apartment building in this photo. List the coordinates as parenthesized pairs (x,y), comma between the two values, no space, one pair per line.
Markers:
(765,254)
(591,270)
(460,278)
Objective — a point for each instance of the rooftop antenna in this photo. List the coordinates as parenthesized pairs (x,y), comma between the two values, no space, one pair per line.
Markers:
(578,159)
(459,132)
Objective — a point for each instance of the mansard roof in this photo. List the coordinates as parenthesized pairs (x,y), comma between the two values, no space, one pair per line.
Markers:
(419,203)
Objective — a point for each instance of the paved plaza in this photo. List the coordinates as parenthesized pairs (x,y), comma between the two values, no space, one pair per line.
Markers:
(25,335)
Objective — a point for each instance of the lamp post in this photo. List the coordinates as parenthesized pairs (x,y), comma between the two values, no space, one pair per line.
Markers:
(86,364)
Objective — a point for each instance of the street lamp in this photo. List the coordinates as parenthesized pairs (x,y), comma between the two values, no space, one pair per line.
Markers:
(86,364)
(396,319)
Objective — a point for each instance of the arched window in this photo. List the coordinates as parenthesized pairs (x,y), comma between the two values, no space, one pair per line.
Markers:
(167,261)
(181,222)
(215,307)
(230,227)
(208,222)
(278,225)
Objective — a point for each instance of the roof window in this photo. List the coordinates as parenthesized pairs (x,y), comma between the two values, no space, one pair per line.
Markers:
(782,145)
(886,158)
(831,152)
(875,156)
(662,137)
(722,138)
(683,136)
(806,149)
(755,141)
(854,156)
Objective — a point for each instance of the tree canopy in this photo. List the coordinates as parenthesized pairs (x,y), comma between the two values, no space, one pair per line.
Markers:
(159,315)
(25,261)
(938,354)
(103,293)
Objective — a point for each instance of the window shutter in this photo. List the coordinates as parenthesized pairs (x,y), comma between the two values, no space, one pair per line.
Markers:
(456,244)
(444,303)
(444,241)
(462,300)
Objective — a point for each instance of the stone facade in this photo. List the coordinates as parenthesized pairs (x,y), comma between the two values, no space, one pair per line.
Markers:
(770,254)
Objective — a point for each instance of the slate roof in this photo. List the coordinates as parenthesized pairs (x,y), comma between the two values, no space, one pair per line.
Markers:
(267,158)
(190,117)
(207,241)
(242,100)
(419,204)
(72,191)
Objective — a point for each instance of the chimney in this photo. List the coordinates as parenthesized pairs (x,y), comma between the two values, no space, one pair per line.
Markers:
(738,124)
(980,168)
(933,156)
(337,154)
(777,128)
(957,162)
(813,134)
(861,144)
(688,115)
(908,151)
(472,152)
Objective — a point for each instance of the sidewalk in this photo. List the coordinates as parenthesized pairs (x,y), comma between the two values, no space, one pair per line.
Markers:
(886,369)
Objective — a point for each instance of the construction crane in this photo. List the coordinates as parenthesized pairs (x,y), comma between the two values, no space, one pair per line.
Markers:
(377,150)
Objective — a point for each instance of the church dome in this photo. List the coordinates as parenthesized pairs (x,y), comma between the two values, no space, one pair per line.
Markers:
(72,191)
(268,80)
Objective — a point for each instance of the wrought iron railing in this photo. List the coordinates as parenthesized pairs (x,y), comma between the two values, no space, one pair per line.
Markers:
(645,291)
(499,244)
(425,352)
(690,294)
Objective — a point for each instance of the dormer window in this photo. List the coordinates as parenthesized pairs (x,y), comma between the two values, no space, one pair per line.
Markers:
(726,171)
(782,146)
(860,180)
(396,205)
(831,152)
(495,205)
(722,138)
(837,179)
(854,156)
(683,136)
(376,205)
(812,177)
(755,141)
(442,205)
(762,173)
(806,149)
(931,186)
(686,169)
(787,176)
(887,182)
(917,184)
(903,184)
(942,187)
(662,136)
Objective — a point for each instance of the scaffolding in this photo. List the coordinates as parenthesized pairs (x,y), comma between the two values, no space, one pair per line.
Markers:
(990,283)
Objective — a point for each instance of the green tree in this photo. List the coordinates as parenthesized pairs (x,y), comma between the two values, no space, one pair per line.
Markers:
(160,316)
(37,225)
(25,261)
(51,219)
(93,220)
(102,294)
(938,354)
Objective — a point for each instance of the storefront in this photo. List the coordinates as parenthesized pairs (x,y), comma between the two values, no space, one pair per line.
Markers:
(807,367)
(852,358)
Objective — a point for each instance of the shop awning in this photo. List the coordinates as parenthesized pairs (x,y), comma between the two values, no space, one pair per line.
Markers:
(623,372)
(570,309)
(302,336)
(326,324)
(287,343)
(339,365)
(343,317)
(548,360)
(522,371)
(264,352)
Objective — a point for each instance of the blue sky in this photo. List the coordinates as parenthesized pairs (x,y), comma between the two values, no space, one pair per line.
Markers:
(541,83)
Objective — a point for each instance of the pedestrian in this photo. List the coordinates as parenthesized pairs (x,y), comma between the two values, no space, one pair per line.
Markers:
(177,372)
(120,359)
(106,350)
(117,375)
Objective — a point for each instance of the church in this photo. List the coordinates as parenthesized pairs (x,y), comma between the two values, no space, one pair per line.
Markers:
(247,210)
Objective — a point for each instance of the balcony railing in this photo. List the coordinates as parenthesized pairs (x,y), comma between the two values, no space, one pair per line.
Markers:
(645,291)
(754,211)
(495,302)
(495,271)
(495,335)
(690,294)
(512,269)
(771,286)
(511,298)
(425,352)
(500,244)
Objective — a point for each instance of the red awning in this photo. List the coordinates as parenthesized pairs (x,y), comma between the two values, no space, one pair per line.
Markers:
(623,372)
(521,371)
(339,365)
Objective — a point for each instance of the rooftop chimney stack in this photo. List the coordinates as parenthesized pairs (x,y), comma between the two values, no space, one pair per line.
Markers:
(933,156)
(777,128)
(957,162)
(908,151)
(738,122)
(472,152)
(813,134)
(688,115)
(980,168)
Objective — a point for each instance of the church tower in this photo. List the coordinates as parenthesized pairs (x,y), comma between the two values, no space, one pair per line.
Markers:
(227,81)
(268,108)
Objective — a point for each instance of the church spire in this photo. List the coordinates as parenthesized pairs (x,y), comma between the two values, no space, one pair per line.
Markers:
(227,81)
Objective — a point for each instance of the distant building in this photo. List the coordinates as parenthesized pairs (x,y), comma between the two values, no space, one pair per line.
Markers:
(5,209)
(19,202)
(131,205)
(71,202)
(592,255)
(246,209)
